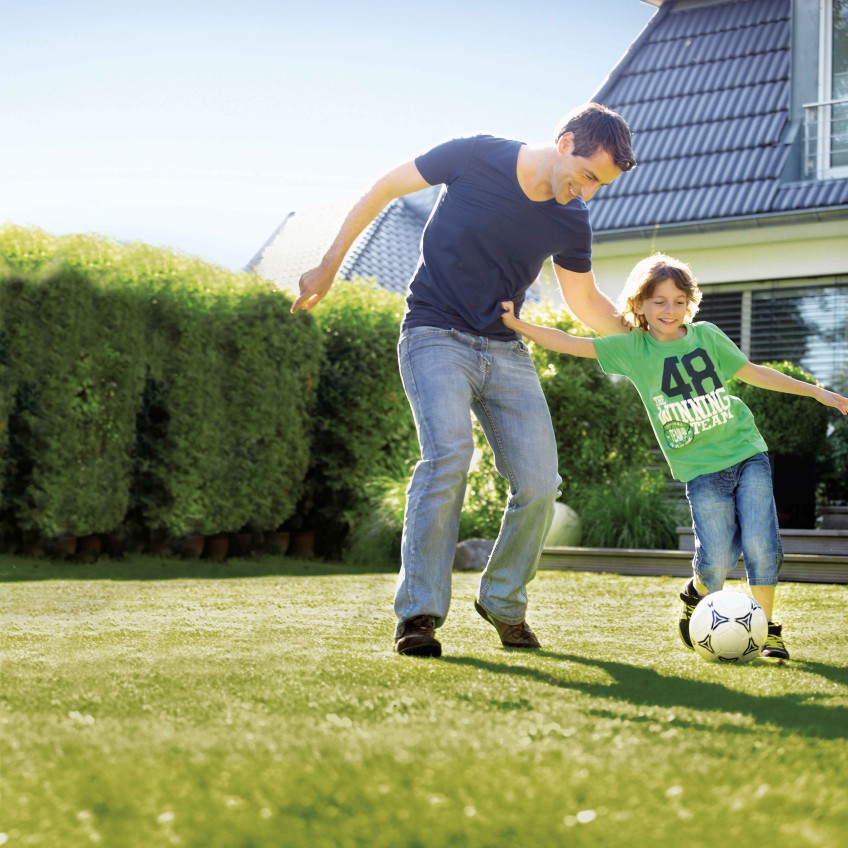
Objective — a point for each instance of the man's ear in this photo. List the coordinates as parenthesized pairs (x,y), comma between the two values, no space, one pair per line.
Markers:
(565,142)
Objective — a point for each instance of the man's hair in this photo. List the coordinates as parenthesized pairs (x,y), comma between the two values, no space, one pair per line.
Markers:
(646,276)
(595,126)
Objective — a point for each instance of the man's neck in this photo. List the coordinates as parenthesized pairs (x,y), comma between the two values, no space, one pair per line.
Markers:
(534,171)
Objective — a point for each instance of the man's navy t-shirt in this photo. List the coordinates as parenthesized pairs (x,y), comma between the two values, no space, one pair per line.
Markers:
(486,241)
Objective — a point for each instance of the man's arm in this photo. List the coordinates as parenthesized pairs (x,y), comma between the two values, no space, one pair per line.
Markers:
(764,377)
(315,283)
(589,303)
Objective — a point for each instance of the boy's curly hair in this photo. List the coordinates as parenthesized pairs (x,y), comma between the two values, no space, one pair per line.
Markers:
(645,277)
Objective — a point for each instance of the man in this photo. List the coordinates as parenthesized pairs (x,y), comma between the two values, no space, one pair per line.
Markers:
(505,207)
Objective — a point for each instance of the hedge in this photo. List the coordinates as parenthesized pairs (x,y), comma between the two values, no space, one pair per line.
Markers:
(364,428)
(140,386)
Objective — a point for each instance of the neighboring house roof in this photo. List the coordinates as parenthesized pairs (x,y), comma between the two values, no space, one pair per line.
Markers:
(388,249)
(707,91)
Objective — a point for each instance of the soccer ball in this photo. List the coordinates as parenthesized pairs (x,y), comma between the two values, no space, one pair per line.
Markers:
(728,627)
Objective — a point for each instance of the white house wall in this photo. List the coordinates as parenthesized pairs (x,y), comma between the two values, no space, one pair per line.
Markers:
(792,252)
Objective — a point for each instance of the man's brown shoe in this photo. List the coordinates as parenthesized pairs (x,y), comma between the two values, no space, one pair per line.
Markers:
(512,635)
(418,638)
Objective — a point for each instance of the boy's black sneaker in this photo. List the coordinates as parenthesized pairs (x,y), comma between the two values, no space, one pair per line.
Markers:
(418,638)
(775,648)
(690,598)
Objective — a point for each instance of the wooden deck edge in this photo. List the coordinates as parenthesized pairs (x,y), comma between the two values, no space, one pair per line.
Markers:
(797,568)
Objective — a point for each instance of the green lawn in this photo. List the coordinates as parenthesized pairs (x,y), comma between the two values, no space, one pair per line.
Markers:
(258,703)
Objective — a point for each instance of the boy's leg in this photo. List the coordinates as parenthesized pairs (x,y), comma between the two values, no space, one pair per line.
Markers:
(761,543)
(764,596)
(438,373)
(717,540)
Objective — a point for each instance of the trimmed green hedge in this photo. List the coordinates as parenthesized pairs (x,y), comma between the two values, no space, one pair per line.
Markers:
(139,385)
(364,429)
(73,372)
(142,387)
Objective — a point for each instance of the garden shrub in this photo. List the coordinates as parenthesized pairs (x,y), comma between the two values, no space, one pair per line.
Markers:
(486,493)
(224,444)
(833,461)
(270,381)
(364,428)
(74,369)
(634,512)
(375,536)
(143,385)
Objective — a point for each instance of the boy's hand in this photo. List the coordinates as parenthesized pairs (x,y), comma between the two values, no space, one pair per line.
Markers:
(834,400)
(509,314)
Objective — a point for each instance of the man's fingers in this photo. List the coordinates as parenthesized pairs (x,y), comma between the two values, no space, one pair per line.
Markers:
(305,302)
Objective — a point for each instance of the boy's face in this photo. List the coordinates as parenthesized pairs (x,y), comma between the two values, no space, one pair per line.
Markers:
(665,311)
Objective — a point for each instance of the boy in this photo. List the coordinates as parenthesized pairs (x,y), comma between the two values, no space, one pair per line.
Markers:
(708,436)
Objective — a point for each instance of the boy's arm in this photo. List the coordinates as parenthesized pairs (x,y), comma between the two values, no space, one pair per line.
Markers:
(549,337)
(764,377)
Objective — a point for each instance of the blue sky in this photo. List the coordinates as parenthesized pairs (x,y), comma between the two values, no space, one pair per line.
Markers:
(200,124)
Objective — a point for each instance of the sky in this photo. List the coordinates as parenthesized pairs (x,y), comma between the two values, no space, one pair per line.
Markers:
(199,125)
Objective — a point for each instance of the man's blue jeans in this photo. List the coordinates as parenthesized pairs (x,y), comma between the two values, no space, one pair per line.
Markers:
(733,513)
(447,375)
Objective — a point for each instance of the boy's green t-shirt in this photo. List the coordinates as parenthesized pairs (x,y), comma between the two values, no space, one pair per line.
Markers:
(699,425)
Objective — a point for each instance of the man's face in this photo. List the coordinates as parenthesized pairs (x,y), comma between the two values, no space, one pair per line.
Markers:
(580,176)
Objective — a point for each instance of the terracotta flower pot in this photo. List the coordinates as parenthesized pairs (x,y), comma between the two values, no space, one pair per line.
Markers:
(189,546)
(302,544)
(277,542)
(89,548)
(241,544)
(217,546)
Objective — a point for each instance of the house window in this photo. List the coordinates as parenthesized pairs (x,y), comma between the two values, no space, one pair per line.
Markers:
(805,323)
(826,122)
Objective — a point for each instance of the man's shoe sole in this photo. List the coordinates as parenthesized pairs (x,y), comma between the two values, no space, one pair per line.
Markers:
(425,649)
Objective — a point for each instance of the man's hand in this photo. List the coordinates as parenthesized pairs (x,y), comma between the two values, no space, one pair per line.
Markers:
(314,285)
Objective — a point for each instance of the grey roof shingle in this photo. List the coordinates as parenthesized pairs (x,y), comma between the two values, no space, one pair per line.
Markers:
(390,247)
(387,250)
(707,91)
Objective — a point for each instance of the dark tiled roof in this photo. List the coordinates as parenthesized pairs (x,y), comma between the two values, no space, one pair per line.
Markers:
(387,250)
(706,90)
(390,247)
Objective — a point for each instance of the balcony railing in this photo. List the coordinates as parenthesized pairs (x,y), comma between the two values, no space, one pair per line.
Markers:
(826,139)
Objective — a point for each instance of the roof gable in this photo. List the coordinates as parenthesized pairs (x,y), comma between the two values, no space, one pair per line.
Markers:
(706,90)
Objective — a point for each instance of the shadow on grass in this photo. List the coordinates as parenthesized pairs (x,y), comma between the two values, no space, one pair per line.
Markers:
(644,687)
(142,567)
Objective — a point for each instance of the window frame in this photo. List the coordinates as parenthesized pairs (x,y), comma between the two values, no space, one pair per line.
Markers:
(747,291)
(824,108)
